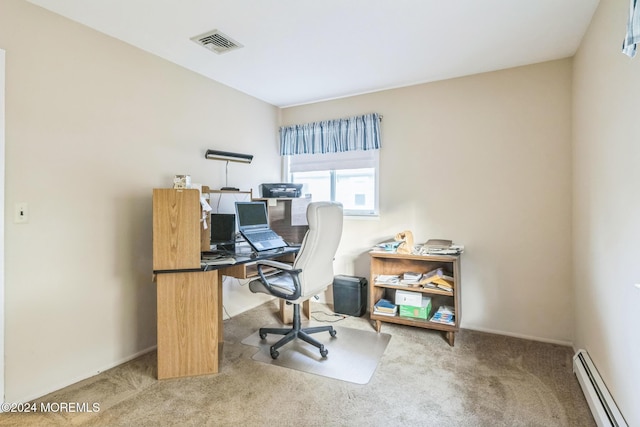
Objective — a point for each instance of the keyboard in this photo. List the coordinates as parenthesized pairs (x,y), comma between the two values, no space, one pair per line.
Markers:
(262,236)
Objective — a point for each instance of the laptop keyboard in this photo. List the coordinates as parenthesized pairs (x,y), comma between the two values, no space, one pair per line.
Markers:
(262,236)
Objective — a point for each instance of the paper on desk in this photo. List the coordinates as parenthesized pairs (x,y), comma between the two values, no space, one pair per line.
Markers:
(205,205)
(206,208)
(299,210)
(218,261)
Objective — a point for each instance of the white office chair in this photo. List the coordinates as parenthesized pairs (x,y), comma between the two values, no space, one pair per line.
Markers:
(311,273)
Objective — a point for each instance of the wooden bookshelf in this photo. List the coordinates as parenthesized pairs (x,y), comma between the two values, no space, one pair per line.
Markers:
(388,263)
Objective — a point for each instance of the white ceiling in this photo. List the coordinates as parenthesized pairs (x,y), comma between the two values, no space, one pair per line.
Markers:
(302,51)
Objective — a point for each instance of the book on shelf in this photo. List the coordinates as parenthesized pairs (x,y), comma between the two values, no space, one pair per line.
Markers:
(388,279)
(438,243)
(441,247)
(445,315)
(451,250)
(428,285)
(384,306)
(434,274)
(384,313)
(410,275)
(387,246)
(410,278)
(443,287)
(439,277)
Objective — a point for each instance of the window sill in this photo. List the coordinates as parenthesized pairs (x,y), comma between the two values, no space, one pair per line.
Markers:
(362,217)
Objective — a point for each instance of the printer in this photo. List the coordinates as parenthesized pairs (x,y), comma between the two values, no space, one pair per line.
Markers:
(282,189)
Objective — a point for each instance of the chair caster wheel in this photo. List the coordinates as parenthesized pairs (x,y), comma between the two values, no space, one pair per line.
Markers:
(333,333)
(274,354)
(262,335)
(324,352)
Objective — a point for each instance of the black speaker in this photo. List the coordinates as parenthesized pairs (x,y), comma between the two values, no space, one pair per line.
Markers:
(350,295)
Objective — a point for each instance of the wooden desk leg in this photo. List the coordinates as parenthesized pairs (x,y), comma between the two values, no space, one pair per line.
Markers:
(286,311)
(306,308)
(286,316)
(220,322)
(378,325)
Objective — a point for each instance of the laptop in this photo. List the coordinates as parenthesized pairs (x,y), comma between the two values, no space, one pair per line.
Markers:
(253,224)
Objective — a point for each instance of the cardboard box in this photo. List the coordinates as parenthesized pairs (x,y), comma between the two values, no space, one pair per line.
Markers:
(408,298)
(420,312)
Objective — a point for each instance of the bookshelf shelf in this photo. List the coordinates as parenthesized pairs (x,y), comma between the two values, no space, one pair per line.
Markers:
(388,263)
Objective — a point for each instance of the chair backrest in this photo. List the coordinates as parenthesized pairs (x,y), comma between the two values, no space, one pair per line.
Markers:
(319,246)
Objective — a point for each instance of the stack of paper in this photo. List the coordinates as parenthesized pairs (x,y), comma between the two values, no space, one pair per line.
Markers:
(411,278)
(388,279)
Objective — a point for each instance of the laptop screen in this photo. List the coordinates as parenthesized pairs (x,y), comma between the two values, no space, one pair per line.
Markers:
(251,215)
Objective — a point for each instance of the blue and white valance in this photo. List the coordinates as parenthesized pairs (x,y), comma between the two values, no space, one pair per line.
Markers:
(332,136)
(632,39)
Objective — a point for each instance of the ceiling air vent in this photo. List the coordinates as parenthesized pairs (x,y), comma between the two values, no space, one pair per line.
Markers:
(217,42)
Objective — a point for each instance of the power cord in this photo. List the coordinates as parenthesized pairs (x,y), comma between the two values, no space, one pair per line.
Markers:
(226,312)
(341,317)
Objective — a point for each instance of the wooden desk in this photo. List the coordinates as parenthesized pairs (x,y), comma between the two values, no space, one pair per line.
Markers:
(190,326)
(189,298)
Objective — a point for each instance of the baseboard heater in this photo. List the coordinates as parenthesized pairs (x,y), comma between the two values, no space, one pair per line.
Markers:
(604,409)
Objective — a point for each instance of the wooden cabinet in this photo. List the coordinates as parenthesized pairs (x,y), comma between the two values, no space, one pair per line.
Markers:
(189,301)
(189,332)
(398,264)
(176,229)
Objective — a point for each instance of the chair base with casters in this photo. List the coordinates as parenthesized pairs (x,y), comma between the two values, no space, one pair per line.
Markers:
(297,332)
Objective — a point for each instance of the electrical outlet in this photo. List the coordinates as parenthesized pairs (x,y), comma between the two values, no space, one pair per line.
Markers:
(21,214)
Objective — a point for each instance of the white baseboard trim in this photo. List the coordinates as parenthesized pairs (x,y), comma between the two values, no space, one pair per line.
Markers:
(79,378)
(526,337)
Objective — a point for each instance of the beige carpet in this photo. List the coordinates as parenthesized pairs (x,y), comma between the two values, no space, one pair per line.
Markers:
(353,353)
(485,380)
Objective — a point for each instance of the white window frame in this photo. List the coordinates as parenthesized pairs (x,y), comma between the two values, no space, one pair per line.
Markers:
(352,162)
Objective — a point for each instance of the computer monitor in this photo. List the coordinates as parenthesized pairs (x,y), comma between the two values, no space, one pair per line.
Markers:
(223,229)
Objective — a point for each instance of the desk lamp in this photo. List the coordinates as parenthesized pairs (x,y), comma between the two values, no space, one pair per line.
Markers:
(228,157)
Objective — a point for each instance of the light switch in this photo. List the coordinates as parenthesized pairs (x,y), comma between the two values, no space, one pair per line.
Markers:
(21,213)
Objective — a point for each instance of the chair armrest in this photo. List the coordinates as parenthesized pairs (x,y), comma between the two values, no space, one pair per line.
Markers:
(286,269)
(275,264)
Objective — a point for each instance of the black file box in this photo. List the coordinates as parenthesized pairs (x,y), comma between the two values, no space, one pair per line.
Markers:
(350,295)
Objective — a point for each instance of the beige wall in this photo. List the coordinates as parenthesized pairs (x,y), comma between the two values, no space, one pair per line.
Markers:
(92,125)
(486,161)
(606,205)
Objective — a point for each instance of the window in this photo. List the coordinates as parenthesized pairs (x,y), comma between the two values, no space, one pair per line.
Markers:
(350,178)
(336,160)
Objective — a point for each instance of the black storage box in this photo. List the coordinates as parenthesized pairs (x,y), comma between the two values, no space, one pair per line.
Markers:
(350,295)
